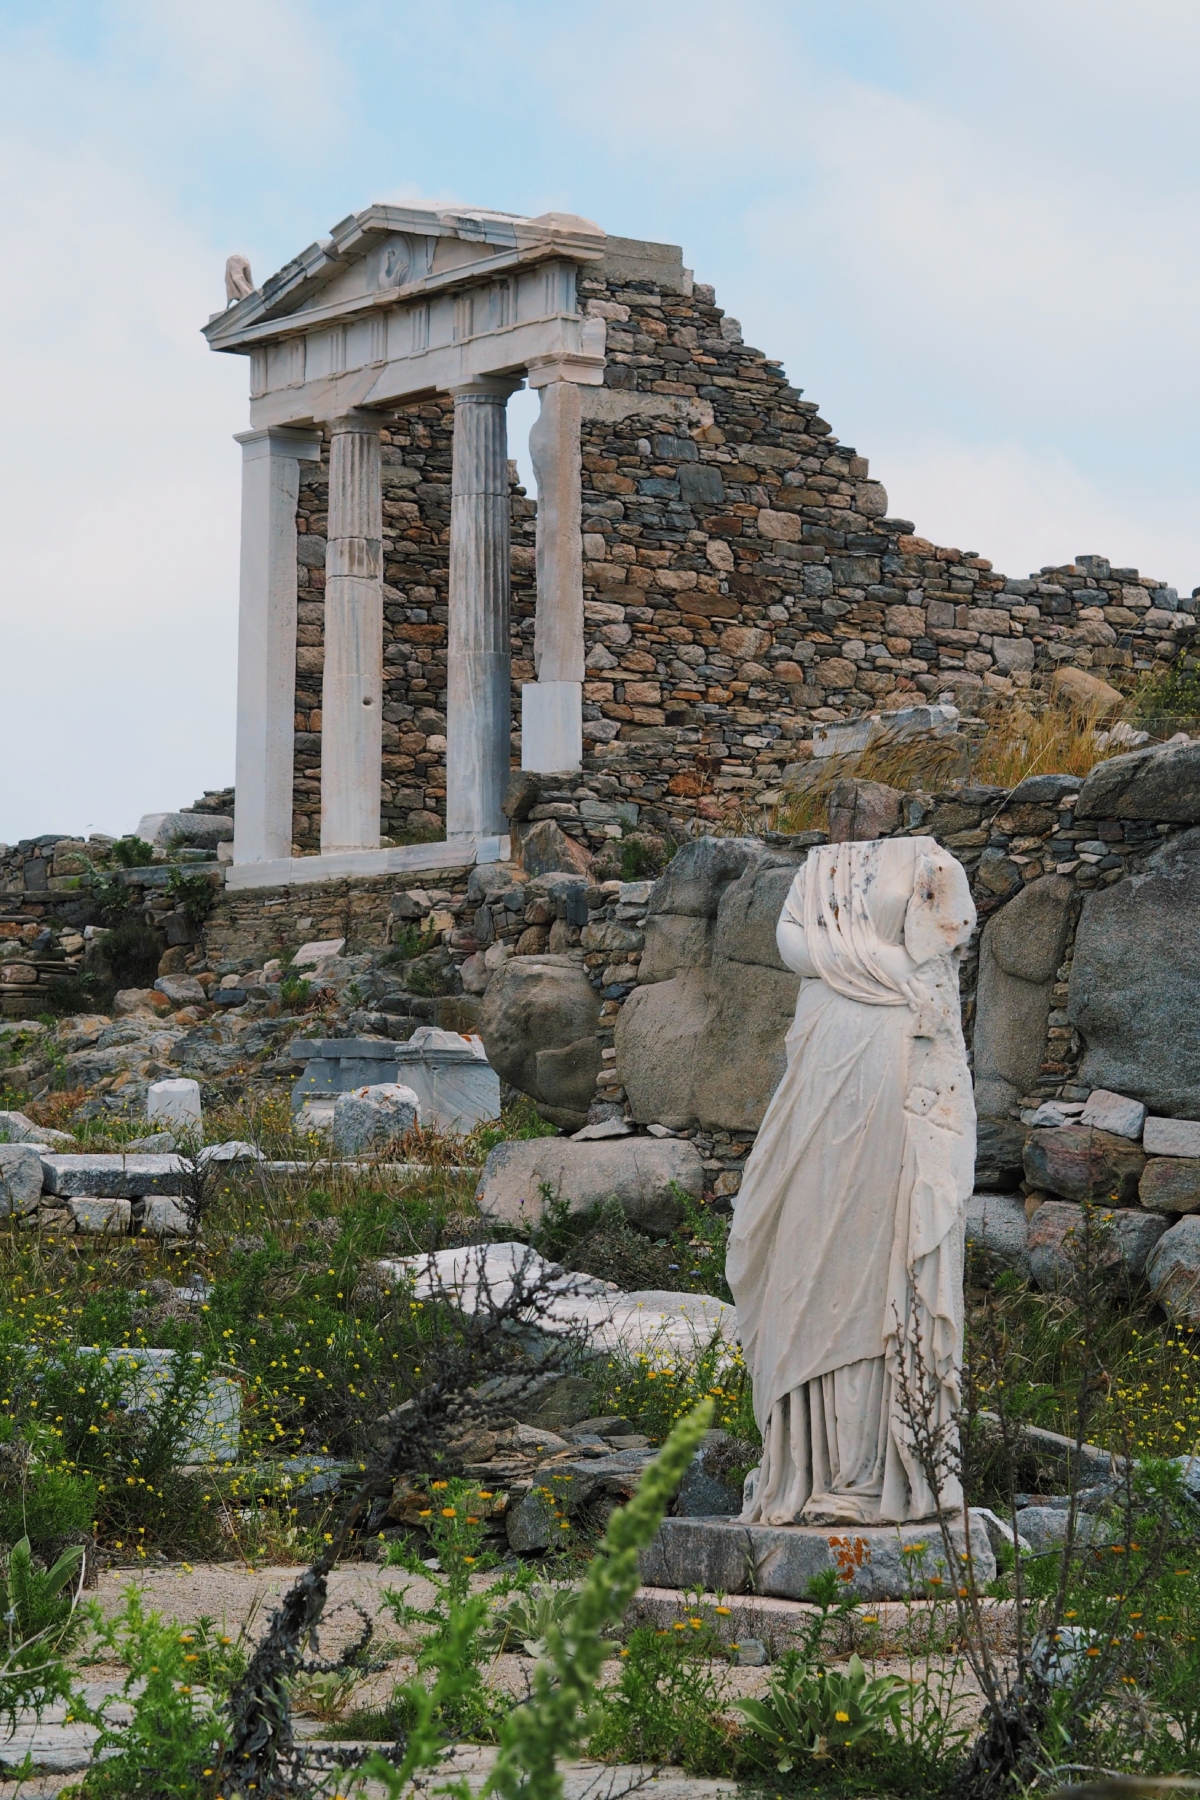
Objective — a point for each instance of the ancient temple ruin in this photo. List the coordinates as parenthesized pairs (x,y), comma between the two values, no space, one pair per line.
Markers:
(706,570)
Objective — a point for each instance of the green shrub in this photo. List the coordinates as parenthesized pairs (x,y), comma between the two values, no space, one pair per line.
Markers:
(818,1714)
(131,852)
(194,895)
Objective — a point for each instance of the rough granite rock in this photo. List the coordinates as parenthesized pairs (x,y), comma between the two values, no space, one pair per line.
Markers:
(1020,950)
(1173,1271)
(1114,1112)
(538,1025)
(674,943)
(1171,1184)
(1124,1240)
(20,1179)
(1160,782)
(1134,978)
(545,848)
(698,875)
(1080,1163)
(1171,1137)
(863,809)
(101,1218)
(999,1149)
(123,1177)
(997,1226)
(367,1118)
(641,1173)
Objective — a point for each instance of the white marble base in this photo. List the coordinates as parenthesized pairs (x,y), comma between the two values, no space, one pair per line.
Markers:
(552,726)
(402,859)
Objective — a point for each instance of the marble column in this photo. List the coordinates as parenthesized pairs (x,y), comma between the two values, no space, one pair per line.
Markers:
(266,678)
(352,691)
(478,663)
(552,707)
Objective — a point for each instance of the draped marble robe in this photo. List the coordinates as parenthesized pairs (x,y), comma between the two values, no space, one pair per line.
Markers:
(846,1249)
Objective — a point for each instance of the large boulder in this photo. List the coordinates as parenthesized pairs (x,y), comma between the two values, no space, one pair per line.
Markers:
(1019,954)
(20,1179)
(1171,1184)
(697,876)
(1080,1163)
(997,1227)
(1134,980)
(1173,1271)
(1161,782)
(641,1173)
(706,1047)
(538,1025)
(367,1118)
(1061,1259)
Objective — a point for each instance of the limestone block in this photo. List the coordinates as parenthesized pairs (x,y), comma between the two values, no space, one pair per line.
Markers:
(1173,1271)
(1114,1112)
(1171,1184)
(124,1177)
(309,955)
(1087,693)
(638,1172)
(20,1179)
(997,1226)
(162,1218)
(698,875)
(1161,782)
(719,1555)
(999,1149)
(863,809)
(455,1086)
(1124,1240)
(181,990)
(366,1118)
(1080,1163)
(1134,978)
(1021,948)
(233,1150)
(175,1102)
(1171,1137)
(538,1024)
(101,1218)
(674,942)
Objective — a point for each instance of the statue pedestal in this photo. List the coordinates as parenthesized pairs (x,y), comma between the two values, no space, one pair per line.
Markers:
(879,1562)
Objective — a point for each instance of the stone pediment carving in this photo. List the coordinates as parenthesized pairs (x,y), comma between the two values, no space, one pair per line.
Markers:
(402,300)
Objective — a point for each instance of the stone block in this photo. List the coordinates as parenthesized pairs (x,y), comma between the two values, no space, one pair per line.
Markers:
(101,1218)
(538,1024)
(1134,977)
(863,809)
(15,1128)
(999,1149)
(876,1562)
(455,1088)
(174,1102)
(1010,654)
(1021,948)
(367,1118)
(162,1218)
(1045,1528)
(674,942)
(181,990)
(1044,790)
(1087,694)
(123,1177)
(698,875)
(1080,1163)
(749,912)
(20,1179)
(546,849)
(1171,1137)
(1114,1112)
(1124,1239)
(640,1173)
(309,955)
(1171,1184)
(1173,1271)
(996,1225)
(202,830)
(1161,782)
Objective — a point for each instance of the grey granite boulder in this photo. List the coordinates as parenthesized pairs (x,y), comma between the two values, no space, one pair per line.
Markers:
(119,1177)
(1020,950)
(640,1173)
(697,876)
(1171,1184)
(996,1226)
(15,1128)
(1062,1259)
(999,1149)
(1080,1163)
(538,1024)
(1173,1271)
(1161,782)
(368,1118)
(20,1179)
(1134,980)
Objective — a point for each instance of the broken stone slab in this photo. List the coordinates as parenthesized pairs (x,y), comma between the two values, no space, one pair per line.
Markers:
(20,1179)
(875,1562)
(604,1128)
(234,1150)
(1171,1137)
(1173,1271)
(181,990)
(166,829)
(100,1217)
(160,1217)
(640,1173)
(1078,1162)
(1052,1113)
(120,1177)
(1125,1238)
(15,1128)
(1000,1531)
(175,1101)
(660,1325)
(1160,783)
(1171,1184)
(368,1117)
(309,955)
(1114,1112)
(1020,950)
(997,1226)
(1044,1528)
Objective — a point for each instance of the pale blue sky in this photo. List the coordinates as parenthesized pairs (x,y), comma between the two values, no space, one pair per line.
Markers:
(970,231)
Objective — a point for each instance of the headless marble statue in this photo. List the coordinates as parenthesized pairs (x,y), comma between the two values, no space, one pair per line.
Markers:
(845,1256)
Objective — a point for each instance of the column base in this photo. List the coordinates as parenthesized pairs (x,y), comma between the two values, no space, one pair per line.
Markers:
(552,726)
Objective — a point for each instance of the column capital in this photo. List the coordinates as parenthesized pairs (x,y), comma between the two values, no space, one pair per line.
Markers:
(280,440)
(357,419)
(584,370)
(486,387)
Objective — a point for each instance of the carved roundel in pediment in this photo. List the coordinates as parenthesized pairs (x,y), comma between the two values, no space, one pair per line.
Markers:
(402,258)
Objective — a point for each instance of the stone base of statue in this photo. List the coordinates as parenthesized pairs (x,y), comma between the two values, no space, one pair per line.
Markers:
(877,1562)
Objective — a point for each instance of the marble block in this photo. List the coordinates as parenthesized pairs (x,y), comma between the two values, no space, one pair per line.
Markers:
(878,1562)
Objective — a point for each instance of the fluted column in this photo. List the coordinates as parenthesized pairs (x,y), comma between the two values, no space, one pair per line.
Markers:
(352,690)
(266,677)
(478,672)
(552,707)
